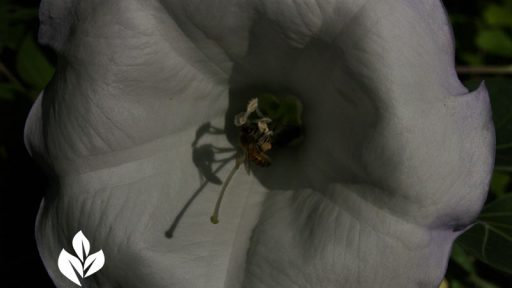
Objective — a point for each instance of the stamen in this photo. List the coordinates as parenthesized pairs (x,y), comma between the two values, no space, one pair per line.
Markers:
(257,136)
(262,124)
(252,105)
(241,119)
(215,216)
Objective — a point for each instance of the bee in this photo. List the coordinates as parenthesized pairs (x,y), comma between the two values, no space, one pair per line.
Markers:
(255,143)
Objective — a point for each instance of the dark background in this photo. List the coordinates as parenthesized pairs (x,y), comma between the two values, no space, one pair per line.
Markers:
(483,31)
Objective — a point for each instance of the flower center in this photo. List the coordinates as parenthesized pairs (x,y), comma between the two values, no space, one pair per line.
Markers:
(268,121)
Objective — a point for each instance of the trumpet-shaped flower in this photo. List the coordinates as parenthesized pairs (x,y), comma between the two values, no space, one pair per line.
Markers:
(394,163)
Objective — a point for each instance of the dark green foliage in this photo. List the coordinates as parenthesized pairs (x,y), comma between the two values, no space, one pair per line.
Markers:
(490,239)
(483,31)
(32,65)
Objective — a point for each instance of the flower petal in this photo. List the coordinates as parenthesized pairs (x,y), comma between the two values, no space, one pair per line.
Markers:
(396,156)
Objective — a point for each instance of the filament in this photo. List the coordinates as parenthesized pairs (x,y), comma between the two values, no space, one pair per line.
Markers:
(215,216)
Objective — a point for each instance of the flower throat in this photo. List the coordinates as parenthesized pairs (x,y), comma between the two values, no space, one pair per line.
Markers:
(268,122)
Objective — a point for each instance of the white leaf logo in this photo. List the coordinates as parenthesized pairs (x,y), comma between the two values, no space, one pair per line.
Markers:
(81,245)
(70,265)
(94,263)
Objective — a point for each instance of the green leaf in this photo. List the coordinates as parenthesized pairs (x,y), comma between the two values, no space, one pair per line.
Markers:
(490,239)
(472,59)
(459,18)
(7,91)
(14,22)
(500,92)
(460,257)
(22,14)
(495,42)
(32,65)
(481,282)
(499,183)
(498,16)
(456,284)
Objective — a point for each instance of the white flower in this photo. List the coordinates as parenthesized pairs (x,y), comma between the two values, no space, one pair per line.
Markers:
(396,156)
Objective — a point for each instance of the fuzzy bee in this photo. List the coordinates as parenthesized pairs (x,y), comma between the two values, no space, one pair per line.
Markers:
(255,135)
(255,144)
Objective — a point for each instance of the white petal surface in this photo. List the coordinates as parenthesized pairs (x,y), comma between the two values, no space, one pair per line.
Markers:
(397,155)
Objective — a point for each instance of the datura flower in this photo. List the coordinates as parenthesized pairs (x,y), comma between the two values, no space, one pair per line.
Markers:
(394,163)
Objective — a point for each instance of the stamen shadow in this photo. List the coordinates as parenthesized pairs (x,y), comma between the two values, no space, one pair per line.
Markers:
(203,157)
